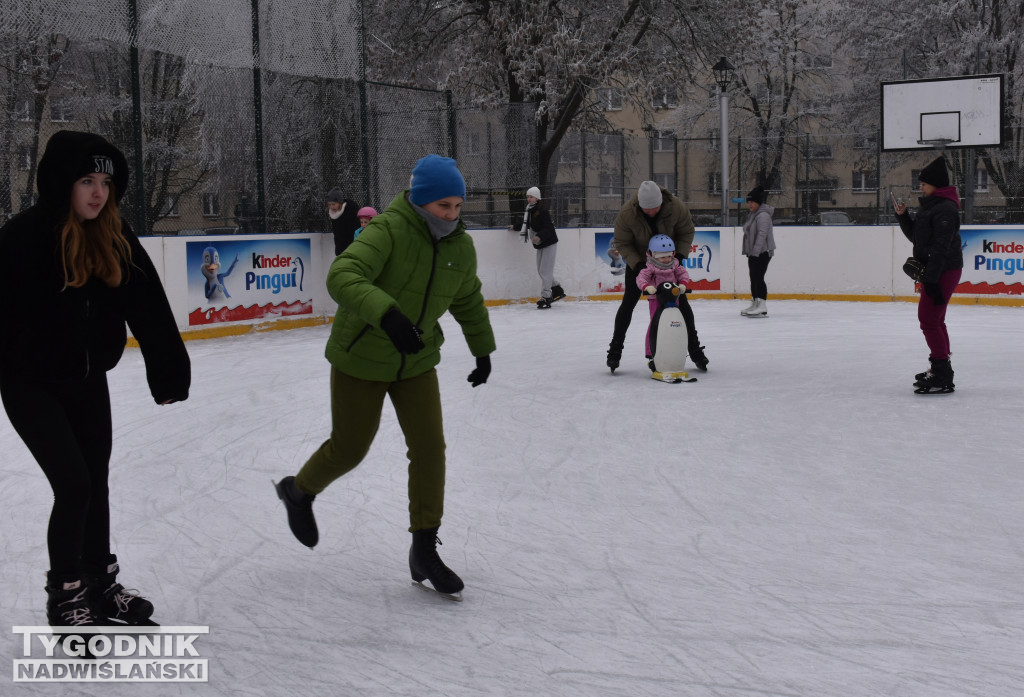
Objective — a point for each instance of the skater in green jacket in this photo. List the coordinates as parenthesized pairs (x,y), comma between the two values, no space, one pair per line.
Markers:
(409,266)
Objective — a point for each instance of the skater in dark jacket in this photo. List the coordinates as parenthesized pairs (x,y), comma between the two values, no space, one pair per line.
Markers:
(344,219)
(538,229)
(75,274)
(935,234)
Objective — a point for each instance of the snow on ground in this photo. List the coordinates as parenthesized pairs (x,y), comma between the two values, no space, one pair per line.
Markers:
(797,523)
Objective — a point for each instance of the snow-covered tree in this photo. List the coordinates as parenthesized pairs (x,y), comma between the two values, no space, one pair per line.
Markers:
(782,85)
(552,56)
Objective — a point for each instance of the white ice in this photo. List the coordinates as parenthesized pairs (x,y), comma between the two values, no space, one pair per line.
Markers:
(797,523)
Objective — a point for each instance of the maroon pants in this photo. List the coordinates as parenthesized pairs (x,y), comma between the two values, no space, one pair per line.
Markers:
(933,316)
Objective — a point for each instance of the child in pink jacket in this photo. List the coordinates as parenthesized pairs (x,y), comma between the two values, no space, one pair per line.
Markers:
(662,265)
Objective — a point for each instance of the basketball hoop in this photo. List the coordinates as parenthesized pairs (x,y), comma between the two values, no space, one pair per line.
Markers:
(937,143)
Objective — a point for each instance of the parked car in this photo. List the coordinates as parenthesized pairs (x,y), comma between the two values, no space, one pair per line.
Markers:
(833,218)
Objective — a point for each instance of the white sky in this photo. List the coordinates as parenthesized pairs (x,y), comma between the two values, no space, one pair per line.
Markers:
(797,523)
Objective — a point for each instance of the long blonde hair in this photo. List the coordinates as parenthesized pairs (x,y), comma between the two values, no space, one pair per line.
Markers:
(95,247)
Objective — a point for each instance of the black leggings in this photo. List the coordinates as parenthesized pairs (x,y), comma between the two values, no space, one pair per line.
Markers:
(758,268)
(630,297)
(67,429)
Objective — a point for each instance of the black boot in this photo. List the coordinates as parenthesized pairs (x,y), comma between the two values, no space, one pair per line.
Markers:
(111,600)
(544,304)
(424,563)
(300,511)
(67,602)
(697,356)
(557,293)
(614,354)
(938,379)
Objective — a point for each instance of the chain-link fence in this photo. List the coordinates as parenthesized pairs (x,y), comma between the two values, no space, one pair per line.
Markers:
(235,116)
(239,116)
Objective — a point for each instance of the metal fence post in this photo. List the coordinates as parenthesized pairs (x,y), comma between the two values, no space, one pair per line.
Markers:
(257,100)
(140,180)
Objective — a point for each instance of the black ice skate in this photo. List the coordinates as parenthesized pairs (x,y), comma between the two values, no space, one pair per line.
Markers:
(544,304)
(67,602)
(112,601)
(614,354)
(696,352)
(300,511)
(557,293)
(425,564)
(936,380)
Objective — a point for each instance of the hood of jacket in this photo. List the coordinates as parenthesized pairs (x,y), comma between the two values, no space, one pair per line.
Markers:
(62,161)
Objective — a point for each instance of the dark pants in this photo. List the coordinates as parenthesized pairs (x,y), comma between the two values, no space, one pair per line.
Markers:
(758,268)
(932,316)
(355,417)
(630,297)
(67,429)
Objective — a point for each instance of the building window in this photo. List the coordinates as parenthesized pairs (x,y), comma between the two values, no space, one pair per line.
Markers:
(812,61)
(865,181)
(714,183)
(714,138)
(915,183)
(569,150)
(818,105)
(23,110)
(60,110)
(664,141)
(666,181)
(610,144)
(472,144)
(981,181)
(819,151)
(609,185)
(211,205)
(665,99)
(865,142)
(610,98)
(24,157)
(170,207)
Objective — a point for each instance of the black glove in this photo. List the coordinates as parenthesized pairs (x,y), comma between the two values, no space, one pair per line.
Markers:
(483,370)
(402,332)
(935,291)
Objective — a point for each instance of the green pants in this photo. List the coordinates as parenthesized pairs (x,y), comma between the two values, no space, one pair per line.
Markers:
(355,417)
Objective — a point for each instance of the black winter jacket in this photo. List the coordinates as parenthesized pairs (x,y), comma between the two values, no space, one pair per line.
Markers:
(57,334)
(541,226)
(344,227)
(935,234)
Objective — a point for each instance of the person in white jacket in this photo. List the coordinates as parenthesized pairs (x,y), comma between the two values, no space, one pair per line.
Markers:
(759,248)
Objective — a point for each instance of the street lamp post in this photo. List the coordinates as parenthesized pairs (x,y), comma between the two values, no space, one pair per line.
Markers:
(723,76)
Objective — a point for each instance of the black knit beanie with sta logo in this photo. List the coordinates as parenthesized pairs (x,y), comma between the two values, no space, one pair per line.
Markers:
(71,155)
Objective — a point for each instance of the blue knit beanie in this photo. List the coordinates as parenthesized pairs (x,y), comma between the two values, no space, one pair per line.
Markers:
(435,177)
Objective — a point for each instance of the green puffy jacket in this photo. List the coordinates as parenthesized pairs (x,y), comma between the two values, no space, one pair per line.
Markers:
(633,233)
(395,262)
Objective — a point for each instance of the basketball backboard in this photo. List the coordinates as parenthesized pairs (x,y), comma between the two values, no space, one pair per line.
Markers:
(949,112)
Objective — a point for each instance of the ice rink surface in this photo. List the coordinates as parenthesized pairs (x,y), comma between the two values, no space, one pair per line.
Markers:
(797,523)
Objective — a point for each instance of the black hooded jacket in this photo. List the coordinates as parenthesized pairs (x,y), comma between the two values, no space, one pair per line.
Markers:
(58,334)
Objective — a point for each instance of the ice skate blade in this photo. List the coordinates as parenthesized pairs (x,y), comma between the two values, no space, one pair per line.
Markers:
(454,597)
(935,390)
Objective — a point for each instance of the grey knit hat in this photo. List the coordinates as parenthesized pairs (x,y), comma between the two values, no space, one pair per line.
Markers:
(335,196)
(649,195)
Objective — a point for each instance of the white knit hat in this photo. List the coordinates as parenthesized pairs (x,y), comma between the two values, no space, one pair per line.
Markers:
(533,191)
(649,195)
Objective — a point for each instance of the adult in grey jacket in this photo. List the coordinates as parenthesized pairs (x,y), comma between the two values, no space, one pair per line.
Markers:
(759,248)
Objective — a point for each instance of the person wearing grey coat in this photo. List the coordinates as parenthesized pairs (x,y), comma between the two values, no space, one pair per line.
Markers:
(759,248)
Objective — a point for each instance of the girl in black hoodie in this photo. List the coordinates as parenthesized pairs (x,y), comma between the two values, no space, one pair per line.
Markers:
(75,274)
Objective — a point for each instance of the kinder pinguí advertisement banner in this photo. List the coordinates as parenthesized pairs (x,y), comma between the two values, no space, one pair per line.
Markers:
(702,263)
(993,261)
(234,280)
